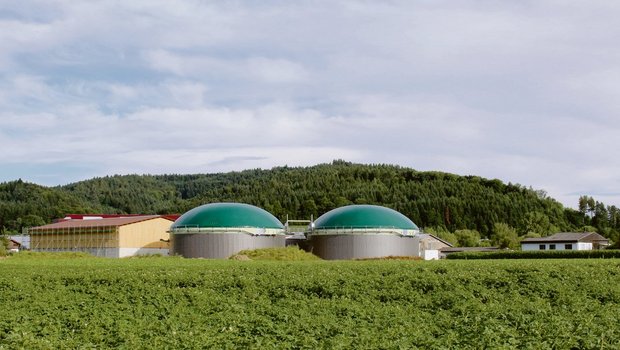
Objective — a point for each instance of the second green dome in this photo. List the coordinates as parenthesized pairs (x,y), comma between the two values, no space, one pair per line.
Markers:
(364,216)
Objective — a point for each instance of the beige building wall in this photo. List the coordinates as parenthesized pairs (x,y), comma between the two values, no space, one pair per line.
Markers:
(145,234)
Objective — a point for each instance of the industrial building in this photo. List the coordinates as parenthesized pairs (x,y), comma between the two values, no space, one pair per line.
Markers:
(369,231)
(115,236)
(219,230)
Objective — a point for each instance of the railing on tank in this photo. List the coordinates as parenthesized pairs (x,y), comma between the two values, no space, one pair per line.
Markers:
(253,231)
(362,230)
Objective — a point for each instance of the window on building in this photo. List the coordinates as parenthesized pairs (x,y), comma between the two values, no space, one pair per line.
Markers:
(568,247)
(541,247)
(551,246)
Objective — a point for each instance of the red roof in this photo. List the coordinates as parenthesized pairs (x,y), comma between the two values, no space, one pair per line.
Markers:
(95,216)
(106,222)
(171,217)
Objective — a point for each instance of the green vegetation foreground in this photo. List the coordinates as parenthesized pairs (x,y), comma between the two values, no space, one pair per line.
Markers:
(51,303)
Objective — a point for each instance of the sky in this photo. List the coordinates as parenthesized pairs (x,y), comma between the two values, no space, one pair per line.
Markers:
(525,91)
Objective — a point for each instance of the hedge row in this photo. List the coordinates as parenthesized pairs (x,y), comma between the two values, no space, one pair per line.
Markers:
(538,254)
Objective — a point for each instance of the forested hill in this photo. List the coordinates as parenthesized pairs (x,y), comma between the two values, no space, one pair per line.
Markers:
(440,201)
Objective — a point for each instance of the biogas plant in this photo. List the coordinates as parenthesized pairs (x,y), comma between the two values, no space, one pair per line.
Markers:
(220,230)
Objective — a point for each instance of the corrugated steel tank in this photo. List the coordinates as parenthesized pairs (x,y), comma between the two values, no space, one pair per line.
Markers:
(363,231)
(221,245)
(336,247)
(220,230)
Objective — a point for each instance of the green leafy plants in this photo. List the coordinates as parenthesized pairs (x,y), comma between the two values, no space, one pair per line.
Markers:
(72,303)
(291,253)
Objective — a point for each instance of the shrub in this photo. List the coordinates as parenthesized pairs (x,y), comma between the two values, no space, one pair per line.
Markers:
(4,245)
(291,253)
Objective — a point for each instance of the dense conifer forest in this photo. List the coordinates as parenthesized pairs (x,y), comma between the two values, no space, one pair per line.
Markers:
(466,210)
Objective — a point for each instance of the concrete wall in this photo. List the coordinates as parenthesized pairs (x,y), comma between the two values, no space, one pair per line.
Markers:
(430,254)
(336,247)
(100,252)
(220,245)
(125,252)
(111,252)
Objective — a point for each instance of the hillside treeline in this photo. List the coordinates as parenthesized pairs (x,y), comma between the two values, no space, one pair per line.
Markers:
(456,207)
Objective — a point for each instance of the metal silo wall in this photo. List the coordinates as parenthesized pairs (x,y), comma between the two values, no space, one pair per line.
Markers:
(333,247)
(220,245)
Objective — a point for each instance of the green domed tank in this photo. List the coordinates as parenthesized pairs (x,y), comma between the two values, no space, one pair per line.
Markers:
(363,231)
(219,230)
(364,217)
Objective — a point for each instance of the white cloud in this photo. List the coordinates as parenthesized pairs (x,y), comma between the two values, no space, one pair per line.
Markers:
(17,36)
(263,69)
(31,87)
(522,91)
(276,70)
(218,160)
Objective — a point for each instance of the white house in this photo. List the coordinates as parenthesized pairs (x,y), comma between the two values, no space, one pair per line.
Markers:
(566,241)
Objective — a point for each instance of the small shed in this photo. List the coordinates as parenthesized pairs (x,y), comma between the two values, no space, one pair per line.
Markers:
(566,241)
(430,246)
(14,246)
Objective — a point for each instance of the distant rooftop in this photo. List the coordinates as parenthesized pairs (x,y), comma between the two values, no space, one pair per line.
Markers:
(428,235)
(571,237)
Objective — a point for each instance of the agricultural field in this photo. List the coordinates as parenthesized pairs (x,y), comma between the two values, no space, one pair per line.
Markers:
(77,302)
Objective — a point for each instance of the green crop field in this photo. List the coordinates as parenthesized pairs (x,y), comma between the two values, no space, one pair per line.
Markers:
(174,303)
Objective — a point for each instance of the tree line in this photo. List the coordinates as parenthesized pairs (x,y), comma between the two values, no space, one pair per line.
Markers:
(466,210)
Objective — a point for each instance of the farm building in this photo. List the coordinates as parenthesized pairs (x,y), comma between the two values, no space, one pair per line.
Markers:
(430,247)
(219,230)
(369,231)
(109,237)
(566,241)
(14,245)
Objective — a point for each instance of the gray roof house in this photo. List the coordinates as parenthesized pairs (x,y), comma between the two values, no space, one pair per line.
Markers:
(566,241)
